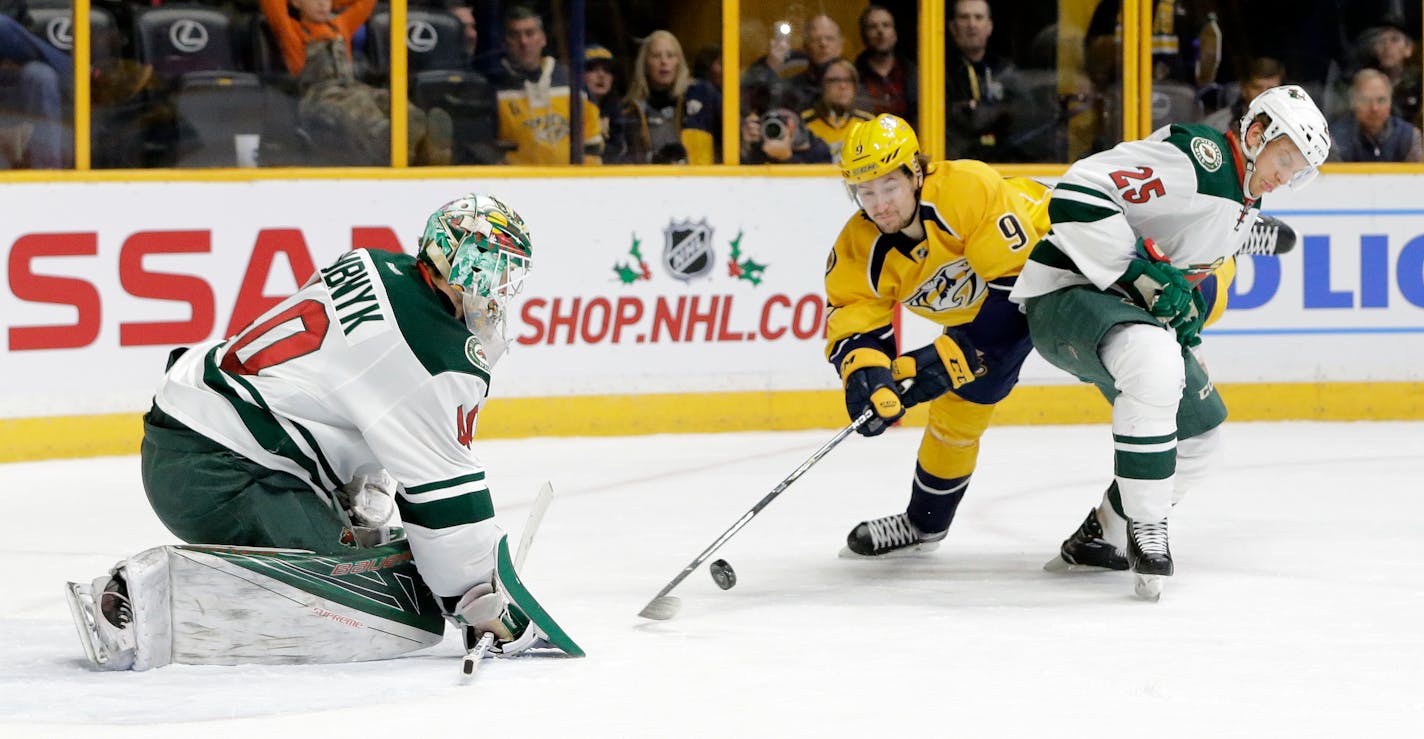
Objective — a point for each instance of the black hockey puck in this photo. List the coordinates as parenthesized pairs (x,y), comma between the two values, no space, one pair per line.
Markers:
(723,574)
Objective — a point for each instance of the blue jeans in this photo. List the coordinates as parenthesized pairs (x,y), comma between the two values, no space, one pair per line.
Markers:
(31,89)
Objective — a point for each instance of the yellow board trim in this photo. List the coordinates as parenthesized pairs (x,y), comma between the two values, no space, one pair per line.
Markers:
(23,439)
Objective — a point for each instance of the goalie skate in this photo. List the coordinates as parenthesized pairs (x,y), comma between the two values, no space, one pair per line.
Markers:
(107,645)
(889,537)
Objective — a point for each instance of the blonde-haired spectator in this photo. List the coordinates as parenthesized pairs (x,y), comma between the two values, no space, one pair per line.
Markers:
(667,117)
(834,112)
(1371,133)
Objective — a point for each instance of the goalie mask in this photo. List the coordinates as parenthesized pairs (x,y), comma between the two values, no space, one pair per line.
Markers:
(1291,113)
(482,248)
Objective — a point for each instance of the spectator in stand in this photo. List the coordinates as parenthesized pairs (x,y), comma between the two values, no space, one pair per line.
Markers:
(315,39)
(1371,133)
(834,113)
(824,44)
(667,117)
(34,81)
(465,11)
(1389,48)
(598,84)
(887,79)
(771,74)
(976,114)
(1263,74)
(534,94)
(707,66)
(773,133)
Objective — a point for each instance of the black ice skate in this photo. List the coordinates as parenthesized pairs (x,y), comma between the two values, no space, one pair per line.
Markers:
(889,536)
(1149,556)
(1087,550)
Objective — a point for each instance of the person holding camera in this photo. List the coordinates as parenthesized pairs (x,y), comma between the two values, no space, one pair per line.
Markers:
(946,240)
(773,133)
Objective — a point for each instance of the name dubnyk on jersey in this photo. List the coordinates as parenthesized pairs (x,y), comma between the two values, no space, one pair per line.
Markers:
(363,367)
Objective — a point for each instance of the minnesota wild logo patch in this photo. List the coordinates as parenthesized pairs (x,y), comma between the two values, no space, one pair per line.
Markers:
(475,352)
(1208,154)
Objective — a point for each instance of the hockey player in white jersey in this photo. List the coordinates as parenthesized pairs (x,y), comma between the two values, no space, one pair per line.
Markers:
(1112,296)
(291,444)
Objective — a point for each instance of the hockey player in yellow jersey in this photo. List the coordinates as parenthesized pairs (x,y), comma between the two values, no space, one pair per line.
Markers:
(946,240)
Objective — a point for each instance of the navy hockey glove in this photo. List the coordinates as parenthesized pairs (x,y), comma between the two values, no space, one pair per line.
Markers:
(1161,289)
(870,384)
(938,367)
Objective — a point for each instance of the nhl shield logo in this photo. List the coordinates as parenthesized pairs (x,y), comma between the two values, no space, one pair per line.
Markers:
(687,249)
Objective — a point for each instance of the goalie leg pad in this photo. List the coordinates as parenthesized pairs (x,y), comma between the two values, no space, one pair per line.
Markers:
(226,606)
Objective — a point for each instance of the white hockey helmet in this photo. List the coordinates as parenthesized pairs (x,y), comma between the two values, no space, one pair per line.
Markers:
(482,248)
(1292,113)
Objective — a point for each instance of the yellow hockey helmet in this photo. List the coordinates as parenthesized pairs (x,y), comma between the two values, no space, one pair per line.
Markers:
(878,147)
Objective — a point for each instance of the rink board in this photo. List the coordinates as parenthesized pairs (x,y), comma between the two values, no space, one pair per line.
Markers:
(657,304)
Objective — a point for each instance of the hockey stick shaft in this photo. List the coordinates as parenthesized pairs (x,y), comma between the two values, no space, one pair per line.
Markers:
(751,513)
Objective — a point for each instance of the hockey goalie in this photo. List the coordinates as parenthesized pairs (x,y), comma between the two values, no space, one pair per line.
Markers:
(280,455)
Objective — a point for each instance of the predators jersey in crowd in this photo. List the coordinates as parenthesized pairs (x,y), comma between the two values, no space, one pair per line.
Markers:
(534,116)
(979,229)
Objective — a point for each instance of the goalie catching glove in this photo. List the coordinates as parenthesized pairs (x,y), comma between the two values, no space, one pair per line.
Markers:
(1163,291)
(508,610)
(870,384)
(948,362)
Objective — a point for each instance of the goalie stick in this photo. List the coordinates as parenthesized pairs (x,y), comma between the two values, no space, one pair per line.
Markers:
(663,606)
(526,539)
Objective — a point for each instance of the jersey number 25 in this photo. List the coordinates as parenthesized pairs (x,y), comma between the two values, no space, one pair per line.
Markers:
(1123,180)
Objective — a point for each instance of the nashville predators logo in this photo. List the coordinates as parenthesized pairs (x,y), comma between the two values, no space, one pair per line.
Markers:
(549,129)
(952,287)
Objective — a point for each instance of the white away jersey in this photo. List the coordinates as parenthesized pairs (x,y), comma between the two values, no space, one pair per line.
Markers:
(1180,187)
(361,368)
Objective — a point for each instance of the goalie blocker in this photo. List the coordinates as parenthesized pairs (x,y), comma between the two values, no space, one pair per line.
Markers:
(227,606)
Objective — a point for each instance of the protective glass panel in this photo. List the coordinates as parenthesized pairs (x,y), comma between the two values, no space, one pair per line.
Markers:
(1360,61)
(808,73)
(659,106)
(1034,81)
(36,86)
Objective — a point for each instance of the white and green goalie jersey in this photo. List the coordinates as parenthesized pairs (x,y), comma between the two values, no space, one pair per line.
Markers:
(361,368)
(1180,187)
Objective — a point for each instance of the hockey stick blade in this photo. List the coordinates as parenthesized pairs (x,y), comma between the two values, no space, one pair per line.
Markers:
(473,657)
(663,606)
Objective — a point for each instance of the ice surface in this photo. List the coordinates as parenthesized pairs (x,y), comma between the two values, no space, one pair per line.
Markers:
(1297,609)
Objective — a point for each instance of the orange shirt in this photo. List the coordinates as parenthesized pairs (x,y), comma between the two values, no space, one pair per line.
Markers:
(294,35)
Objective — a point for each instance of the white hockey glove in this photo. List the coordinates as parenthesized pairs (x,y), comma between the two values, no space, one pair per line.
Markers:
(508,610)
(369,498)
(484,610)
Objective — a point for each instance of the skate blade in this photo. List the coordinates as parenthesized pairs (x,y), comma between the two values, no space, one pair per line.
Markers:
(1149,587)
(1059,564)
(912,551)
(81,606)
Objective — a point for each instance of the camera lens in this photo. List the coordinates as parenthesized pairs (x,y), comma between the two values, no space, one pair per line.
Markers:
(772,129)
